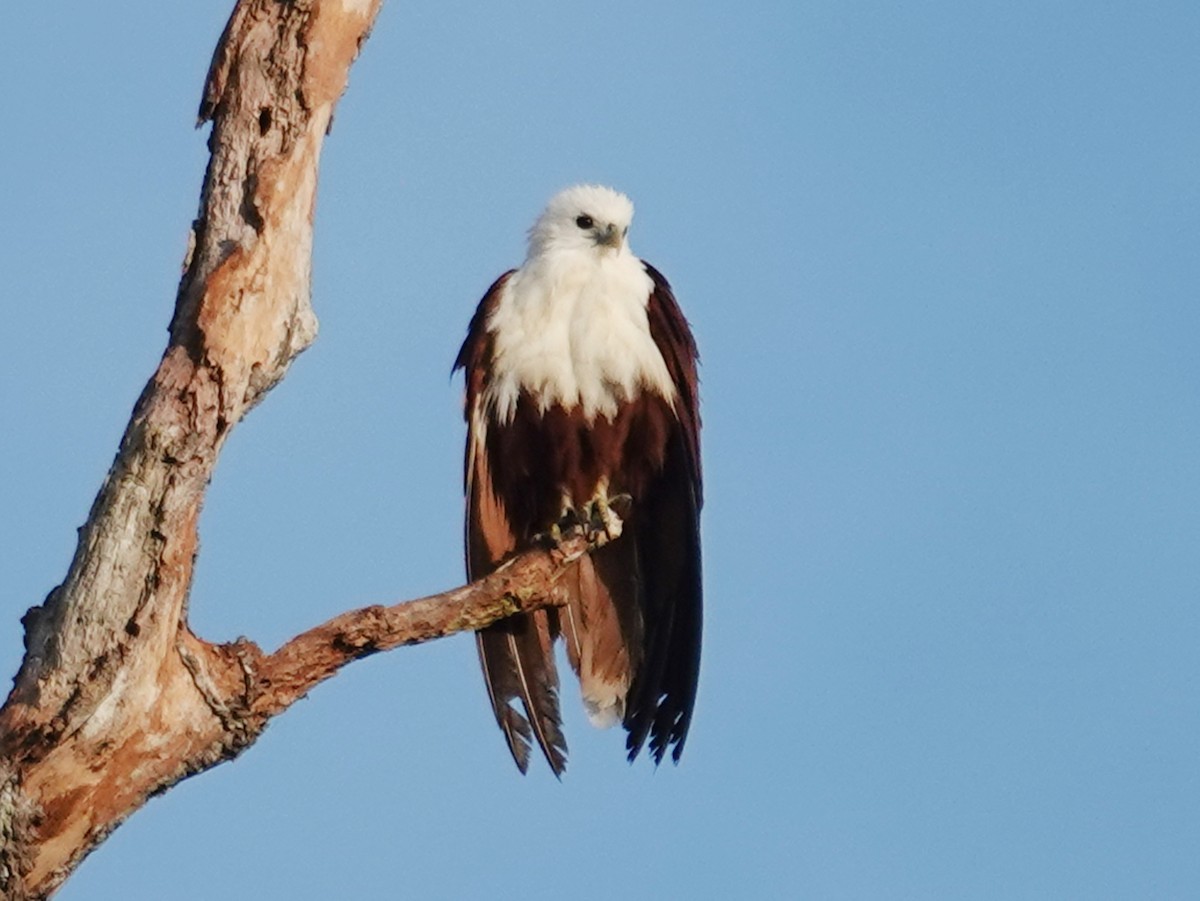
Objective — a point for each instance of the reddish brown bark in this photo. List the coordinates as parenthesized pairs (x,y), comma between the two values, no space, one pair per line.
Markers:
(116,699)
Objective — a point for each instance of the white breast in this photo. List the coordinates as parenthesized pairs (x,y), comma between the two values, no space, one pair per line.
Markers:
(574,331)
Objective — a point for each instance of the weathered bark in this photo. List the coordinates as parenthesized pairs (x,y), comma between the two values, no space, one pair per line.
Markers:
(116,699)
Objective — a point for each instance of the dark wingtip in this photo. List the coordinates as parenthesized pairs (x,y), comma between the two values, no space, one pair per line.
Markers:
(632,754)
(665,734)
(677,751)
(554,749)
(658,750)
(548,729)
(517,734)
(636,737)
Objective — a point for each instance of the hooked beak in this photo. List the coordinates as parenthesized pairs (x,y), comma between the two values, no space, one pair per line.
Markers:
(610,237)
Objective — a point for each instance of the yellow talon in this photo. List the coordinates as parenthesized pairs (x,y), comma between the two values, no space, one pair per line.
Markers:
(602,517)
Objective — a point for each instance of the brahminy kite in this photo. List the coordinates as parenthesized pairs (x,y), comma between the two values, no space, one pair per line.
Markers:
(582,410)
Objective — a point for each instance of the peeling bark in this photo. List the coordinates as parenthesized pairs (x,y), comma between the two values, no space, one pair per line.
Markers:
(116,699)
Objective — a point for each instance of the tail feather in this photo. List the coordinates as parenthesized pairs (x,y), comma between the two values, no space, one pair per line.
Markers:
(602,625)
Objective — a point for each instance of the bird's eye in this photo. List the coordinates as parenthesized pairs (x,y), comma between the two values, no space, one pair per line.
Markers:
(584,222)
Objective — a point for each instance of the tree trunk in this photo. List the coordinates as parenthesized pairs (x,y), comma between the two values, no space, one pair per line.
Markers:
(116,699)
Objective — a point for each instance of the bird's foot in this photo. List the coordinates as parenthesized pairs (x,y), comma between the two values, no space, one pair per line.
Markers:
(600,521)
(570,524)
(604,517)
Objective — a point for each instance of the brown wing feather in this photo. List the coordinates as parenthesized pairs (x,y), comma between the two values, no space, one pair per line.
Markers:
(667,534)
(516,654)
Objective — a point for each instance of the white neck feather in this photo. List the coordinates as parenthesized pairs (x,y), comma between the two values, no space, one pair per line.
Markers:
(570,328)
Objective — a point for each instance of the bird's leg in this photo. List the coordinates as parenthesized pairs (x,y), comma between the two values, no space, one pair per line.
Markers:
(570,522)
(603,521)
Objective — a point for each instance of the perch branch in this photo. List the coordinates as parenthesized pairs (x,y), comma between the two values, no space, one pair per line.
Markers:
(525,583)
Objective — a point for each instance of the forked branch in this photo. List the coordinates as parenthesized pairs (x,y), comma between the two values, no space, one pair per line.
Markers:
(116,699)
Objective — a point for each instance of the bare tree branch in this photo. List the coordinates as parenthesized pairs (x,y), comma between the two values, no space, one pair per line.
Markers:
(116,699)
(524,583)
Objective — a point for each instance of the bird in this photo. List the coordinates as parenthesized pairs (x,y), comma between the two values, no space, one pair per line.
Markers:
(582,410)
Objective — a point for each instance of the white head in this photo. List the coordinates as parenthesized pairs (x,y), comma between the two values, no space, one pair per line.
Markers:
(571,325)
(583,218)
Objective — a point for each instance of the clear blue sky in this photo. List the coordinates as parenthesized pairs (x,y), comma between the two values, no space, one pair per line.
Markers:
(943,262)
